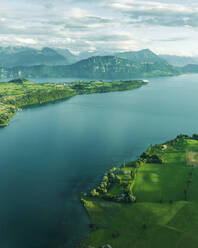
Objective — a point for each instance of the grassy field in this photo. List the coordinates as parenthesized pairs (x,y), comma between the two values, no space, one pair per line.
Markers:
(20,93)
(165,212)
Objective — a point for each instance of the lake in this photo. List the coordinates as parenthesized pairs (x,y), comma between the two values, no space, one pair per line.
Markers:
(52,153)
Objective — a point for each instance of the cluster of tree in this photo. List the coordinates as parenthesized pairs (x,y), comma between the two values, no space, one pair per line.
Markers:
(6,115)
(153,159)
(107,181)
(195,136)
(182,136)
(137,163)
(110,179)
(40,96)
(179,138)
(92,87)
(129,198)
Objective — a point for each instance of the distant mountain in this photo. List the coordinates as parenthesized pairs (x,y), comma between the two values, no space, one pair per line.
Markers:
(179,60)
(191,68)
(23,56)
(13,50)
(26,56)
(99,67)
(142,56)
(114,67)
(70,57)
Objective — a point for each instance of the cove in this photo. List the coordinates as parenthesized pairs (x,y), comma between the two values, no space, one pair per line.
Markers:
(50,154)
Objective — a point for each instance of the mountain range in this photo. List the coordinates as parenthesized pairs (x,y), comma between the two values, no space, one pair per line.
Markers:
(25,56)
(47,62)
(191,68)
(99,67)
(179,60)
(142,56)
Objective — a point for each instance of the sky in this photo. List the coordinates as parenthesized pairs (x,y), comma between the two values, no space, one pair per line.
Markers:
(164,26)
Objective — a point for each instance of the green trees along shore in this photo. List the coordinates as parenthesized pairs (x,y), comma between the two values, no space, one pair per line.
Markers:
(148,203)
(21,93)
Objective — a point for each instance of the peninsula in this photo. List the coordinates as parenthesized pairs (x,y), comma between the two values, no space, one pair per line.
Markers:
(148,203)
(21,93)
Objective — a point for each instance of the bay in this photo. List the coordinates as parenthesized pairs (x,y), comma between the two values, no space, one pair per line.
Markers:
(52,153)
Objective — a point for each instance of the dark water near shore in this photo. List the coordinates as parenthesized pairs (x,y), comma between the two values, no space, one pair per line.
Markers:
(49,154)
(48,80)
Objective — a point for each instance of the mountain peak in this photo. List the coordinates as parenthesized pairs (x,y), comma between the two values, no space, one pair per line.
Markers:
(48,51)
(142,56)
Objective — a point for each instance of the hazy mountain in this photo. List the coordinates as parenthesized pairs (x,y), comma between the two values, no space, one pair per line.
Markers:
(101,67)
(191,68)
(70,57)
(23,56)
(73,58)
(114,67)
(13,50)
(179,60)
(141,56)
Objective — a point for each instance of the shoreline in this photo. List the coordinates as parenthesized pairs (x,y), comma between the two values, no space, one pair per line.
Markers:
(40,94)
(100,202)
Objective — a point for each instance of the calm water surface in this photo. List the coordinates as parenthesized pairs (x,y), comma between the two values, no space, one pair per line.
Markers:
(49,154)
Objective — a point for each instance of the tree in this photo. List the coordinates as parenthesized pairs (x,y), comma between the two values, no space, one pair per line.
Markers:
(132,175)
(195,136)
(94,193)
(124,165)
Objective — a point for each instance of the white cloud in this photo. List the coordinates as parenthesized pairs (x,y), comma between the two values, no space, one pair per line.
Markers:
(27,41)
(89,25)
(158,13)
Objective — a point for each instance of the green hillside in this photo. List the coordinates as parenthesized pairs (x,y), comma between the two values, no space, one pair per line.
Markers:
(148,203)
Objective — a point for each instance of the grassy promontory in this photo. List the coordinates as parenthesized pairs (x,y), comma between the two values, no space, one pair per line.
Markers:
(148,203)
(20,93)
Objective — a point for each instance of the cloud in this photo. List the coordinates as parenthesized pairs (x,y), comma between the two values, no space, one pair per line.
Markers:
(87,22)
(104,25)
(171,39)
(158,13)
(27,41)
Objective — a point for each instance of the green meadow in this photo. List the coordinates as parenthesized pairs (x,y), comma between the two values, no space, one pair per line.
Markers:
(163,208)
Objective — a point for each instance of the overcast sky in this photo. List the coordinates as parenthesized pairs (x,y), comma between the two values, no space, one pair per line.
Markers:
(164,26)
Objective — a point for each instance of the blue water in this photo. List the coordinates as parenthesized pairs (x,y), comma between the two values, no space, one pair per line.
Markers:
(49,154)
(48,80)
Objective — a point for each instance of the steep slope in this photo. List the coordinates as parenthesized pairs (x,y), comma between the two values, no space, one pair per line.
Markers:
(100,67)
(114,67)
